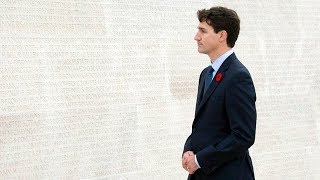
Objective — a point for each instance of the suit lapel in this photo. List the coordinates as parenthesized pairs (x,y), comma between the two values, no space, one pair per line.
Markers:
(200,88)
(225,65)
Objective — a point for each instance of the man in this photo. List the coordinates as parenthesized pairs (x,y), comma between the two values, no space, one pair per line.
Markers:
(225,119)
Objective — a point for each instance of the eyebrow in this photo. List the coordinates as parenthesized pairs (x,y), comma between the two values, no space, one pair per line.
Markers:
(201,28)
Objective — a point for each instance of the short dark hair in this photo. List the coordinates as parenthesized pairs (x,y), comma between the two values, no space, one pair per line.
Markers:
(221,18)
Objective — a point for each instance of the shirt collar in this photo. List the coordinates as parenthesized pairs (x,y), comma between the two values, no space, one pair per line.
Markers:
(218,62)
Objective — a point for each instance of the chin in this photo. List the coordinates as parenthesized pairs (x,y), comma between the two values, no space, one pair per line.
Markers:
(201,51)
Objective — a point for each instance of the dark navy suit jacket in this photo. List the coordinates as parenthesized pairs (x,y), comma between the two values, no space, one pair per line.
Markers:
(224,125)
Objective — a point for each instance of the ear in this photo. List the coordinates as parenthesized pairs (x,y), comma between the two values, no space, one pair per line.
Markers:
(223,35)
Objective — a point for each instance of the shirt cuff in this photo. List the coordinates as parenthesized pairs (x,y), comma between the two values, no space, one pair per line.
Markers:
(195,159)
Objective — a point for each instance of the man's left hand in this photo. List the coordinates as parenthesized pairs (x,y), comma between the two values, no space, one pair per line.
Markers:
(191,164)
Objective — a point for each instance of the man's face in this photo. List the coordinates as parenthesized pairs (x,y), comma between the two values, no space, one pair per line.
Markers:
(208,41)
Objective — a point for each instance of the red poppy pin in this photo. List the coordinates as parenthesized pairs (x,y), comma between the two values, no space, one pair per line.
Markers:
(219,77)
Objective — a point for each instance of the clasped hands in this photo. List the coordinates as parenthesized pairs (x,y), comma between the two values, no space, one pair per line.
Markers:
(188,162)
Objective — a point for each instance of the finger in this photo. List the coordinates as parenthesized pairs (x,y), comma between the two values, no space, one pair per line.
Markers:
(184,165)
(190,159)
(184,161)
(191,170)
(186,155)
(186,168)
(190,152)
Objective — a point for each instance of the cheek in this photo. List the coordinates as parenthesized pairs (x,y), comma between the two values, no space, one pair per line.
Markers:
(208,39)
(211,41)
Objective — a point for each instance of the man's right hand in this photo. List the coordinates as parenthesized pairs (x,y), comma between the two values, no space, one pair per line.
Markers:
(185,158)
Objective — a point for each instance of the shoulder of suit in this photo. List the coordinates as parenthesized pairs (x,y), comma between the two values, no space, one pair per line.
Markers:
(204,70)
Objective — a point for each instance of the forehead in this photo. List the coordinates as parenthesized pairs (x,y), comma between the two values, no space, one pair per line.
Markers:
(204,25)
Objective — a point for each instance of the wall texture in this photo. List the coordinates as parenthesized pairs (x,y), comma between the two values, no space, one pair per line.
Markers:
(97,89)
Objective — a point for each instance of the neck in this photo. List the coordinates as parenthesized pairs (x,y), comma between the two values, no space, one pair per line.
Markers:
(214,55)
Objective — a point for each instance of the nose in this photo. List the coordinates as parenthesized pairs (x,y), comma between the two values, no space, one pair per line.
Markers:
(197,37)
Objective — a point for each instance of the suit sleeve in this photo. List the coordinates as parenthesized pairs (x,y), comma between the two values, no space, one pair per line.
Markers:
(241,112)
(187,145)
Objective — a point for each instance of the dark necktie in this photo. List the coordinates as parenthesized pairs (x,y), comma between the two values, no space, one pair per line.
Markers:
(208,79)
